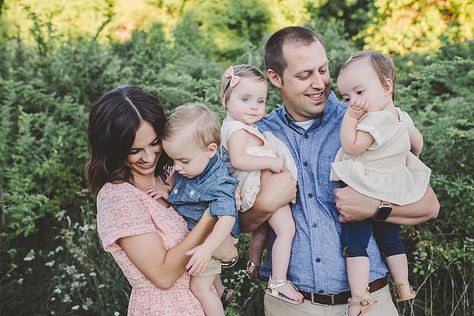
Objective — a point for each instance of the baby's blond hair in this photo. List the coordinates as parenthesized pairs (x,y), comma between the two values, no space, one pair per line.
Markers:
(193,122)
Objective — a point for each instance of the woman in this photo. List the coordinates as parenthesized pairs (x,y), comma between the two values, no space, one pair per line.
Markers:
(146,237)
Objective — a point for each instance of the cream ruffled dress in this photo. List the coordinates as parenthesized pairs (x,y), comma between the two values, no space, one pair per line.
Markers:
(250,180)
(387,171)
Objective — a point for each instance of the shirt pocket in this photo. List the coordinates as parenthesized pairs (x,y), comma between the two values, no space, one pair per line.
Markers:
(327,186)
(191,194)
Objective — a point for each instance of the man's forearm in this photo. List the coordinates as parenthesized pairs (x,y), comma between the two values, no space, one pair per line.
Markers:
(355,207)
(416,213)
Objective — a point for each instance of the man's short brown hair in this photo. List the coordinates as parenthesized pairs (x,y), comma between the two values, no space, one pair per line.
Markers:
(273,49)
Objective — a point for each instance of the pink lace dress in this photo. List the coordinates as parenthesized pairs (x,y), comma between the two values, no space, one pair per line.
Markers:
(123,210)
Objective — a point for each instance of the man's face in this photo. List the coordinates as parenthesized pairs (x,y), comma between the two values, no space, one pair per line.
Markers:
(305,84)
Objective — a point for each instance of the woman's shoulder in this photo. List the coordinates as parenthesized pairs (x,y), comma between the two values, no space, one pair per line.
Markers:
(118,193)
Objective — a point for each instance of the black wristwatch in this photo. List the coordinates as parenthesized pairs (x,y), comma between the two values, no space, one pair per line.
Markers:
(383,211)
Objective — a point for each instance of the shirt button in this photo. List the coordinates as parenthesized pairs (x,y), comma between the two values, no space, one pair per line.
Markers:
(318,260)
(306,136)
(310,195)
(191,192)
(305,164)
(315,225)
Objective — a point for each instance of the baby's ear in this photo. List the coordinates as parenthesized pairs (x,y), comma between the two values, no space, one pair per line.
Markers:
(388,86)
(211,149)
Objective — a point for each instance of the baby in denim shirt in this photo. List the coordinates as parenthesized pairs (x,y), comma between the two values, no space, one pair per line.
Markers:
(191,138)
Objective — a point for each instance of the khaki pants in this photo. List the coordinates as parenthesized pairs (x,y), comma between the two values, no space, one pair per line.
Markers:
(277,307)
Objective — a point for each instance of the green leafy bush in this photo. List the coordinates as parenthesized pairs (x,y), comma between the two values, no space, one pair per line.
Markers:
(52,261)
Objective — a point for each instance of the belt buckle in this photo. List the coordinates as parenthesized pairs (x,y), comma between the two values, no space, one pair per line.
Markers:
(317,303)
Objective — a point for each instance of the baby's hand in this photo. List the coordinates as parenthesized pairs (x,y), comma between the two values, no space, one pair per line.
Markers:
(200,258)
(357,108)
(157,192)
(278,165)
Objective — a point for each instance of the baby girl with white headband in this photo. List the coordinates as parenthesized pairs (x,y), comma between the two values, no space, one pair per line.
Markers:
(247,152)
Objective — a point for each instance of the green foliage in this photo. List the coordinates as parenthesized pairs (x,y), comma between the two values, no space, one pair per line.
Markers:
(406,26)
(353,15)
(439,96)
(52,261)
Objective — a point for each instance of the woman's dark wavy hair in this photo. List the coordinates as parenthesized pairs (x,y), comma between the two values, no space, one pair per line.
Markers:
(113,123)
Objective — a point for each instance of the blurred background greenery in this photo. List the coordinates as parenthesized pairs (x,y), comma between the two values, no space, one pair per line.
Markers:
(57,57)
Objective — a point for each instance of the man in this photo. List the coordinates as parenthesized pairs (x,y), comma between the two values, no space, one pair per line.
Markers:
(309,124)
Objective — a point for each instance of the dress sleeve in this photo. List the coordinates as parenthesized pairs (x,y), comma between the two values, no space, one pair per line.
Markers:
(406,120)
(371,124)
(223,193)
(121,213)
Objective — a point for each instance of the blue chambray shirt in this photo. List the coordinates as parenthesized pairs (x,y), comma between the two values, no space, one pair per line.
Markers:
(316,262)
(213,189)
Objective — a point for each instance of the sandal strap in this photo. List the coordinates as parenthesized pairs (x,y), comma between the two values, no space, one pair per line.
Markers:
(365,302)
(274,284)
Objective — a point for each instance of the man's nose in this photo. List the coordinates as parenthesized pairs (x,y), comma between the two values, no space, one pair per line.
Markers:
(317,82)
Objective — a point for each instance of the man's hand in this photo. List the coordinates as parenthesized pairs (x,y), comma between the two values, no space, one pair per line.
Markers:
(200,258)
(353,206)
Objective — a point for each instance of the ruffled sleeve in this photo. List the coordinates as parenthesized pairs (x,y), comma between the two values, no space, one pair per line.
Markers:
(406,120)
(370,123)
(121,213)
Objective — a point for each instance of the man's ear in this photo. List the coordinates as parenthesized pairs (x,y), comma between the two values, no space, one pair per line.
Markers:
(275,78)
(388,86)
(211,150)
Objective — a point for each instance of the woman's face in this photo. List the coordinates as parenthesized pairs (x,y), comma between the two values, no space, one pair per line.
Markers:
(145,151)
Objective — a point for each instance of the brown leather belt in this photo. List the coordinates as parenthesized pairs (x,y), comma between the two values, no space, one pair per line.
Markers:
(341,298)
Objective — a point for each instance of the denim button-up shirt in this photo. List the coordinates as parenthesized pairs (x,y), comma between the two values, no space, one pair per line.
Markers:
(213,189)
(316,263)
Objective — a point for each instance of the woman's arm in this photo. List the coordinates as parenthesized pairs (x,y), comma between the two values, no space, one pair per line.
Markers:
(163,267)
(355,207)
(240,160)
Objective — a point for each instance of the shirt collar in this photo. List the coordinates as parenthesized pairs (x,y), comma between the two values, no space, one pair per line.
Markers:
(212,165)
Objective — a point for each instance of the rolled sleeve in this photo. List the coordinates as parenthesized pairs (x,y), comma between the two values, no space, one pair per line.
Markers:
(223,202)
